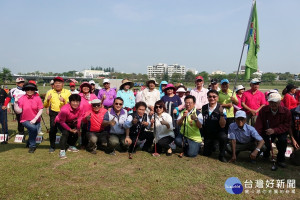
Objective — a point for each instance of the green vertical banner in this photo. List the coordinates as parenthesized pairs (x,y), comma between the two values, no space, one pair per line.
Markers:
(252,40)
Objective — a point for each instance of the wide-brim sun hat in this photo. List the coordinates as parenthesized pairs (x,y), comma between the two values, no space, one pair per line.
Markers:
(274,97)
(151,80)
(85,84)
(29,85)
(168,86)
(181,89)
(126,82)
(239,87)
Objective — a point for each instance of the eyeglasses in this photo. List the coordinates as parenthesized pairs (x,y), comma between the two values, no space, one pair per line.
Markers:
(212,97)
(120,104)
(199,80)
(96,105)
(160,107)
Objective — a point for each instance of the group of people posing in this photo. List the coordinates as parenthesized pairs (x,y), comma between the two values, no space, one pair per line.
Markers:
(197,121)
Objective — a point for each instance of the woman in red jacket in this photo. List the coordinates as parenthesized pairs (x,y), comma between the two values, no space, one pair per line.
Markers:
(289,100)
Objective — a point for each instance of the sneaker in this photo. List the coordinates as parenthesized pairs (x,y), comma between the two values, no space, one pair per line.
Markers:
(281,164)
(113,153)
(31,150)
(62,154)
(51,150)
(73,149)
(93,152)
(222,159)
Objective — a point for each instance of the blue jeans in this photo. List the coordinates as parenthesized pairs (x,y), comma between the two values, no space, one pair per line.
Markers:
(3,121)
(192,147)
(33,131)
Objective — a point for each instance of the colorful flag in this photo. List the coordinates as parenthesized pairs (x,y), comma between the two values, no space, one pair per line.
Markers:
(252,40)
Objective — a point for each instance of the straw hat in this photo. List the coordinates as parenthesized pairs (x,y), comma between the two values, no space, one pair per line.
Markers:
(126,82)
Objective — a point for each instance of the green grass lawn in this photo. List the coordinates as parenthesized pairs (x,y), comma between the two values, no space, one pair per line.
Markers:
(85,176)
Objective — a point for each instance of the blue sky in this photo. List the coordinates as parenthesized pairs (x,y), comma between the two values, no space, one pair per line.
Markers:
(65,35)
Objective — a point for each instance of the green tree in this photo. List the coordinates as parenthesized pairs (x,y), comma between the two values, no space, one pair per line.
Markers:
(268,77)
(166,76)
(204,74)
(189,77)
(176,78)
(5,75)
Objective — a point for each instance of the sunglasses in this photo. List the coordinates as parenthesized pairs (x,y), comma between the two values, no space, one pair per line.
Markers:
(96,105)
(158,107)
(212,97)
(120,104)
(199,80)
(255,83)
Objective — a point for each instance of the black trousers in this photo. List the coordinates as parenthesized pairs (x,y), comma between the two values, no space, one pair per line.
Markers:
(221,137)
(281,145)
(143,135)
(163,144)
(67,138)
(53,128)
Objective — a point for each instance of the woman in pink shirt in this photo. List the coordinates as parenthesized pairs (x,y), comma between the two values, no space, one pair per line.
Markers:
(69,121)
(30,106)
(85,105)
(239,90)
(86,96)
(289,100)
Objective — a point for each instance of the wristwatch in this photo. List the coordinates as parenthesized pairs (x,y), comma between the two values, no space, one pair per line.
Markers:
(258,149)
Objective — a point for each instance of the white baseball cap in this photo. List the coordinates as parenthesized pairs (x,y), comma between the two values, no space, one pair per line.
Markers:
(274,97)
(255,80)
(96,101)
(92,82)
(240,114)
(20,79)
(106,80)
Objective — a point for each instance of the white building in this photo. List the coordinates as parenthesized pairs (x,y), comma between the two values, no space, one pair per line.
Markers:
(218,72)
(160,69)
(194,71)
(93,73)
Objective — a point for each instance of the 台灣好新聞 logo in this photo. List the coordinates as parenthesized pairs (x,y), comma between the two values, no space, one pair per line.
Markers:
(233,185)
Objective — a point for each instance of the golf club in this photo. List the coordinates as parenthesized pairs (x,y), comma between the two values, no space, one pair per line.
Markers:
(274,166)
(155,154)
(183,143)
(45,124)
(130,154)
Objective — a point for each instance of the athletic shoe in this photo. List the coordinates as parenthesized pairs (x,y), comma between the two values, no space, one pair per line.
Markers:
(62,154)
(281,164)
(93,152)
(51,150)
(31,150)
(73,149)
(112,153)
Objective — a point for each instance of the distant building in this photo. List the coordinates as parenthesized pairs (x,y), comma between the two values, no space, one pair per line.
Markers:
(93,73)
(154,70)
(194,71)
(219,72)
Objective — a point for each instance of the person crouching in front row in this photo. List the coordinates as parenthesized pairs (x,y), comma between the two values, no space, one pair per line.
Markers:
(135,125)
(94,120)
(69,121)
(244,138)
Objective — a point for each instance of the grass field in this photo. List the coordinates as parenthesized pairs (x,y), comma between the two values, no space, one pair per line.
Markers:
(85,176)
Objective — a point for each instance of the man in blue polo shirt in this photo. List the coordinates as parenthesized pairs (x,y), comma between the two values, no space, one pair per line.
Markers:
(243,137)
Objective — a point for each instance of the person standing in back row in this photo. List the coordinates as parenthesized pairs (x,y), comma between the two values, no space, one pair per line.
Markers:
(200,93)
(107,94)
(55,99)
(252,101)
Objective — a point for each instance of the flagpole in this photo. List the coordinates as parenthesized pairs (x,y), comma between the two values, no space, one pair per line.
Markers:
(247,31)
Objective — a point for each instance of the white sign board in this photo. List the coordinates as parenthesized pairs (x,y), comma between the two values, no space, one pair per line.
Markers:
(57,139)
(3,137)
(19,138)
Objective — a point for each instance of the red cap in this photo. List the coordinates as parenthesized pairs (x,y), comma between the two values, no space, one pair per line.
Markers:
(32,81)
(198,78)
(58,78)
(72,84)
